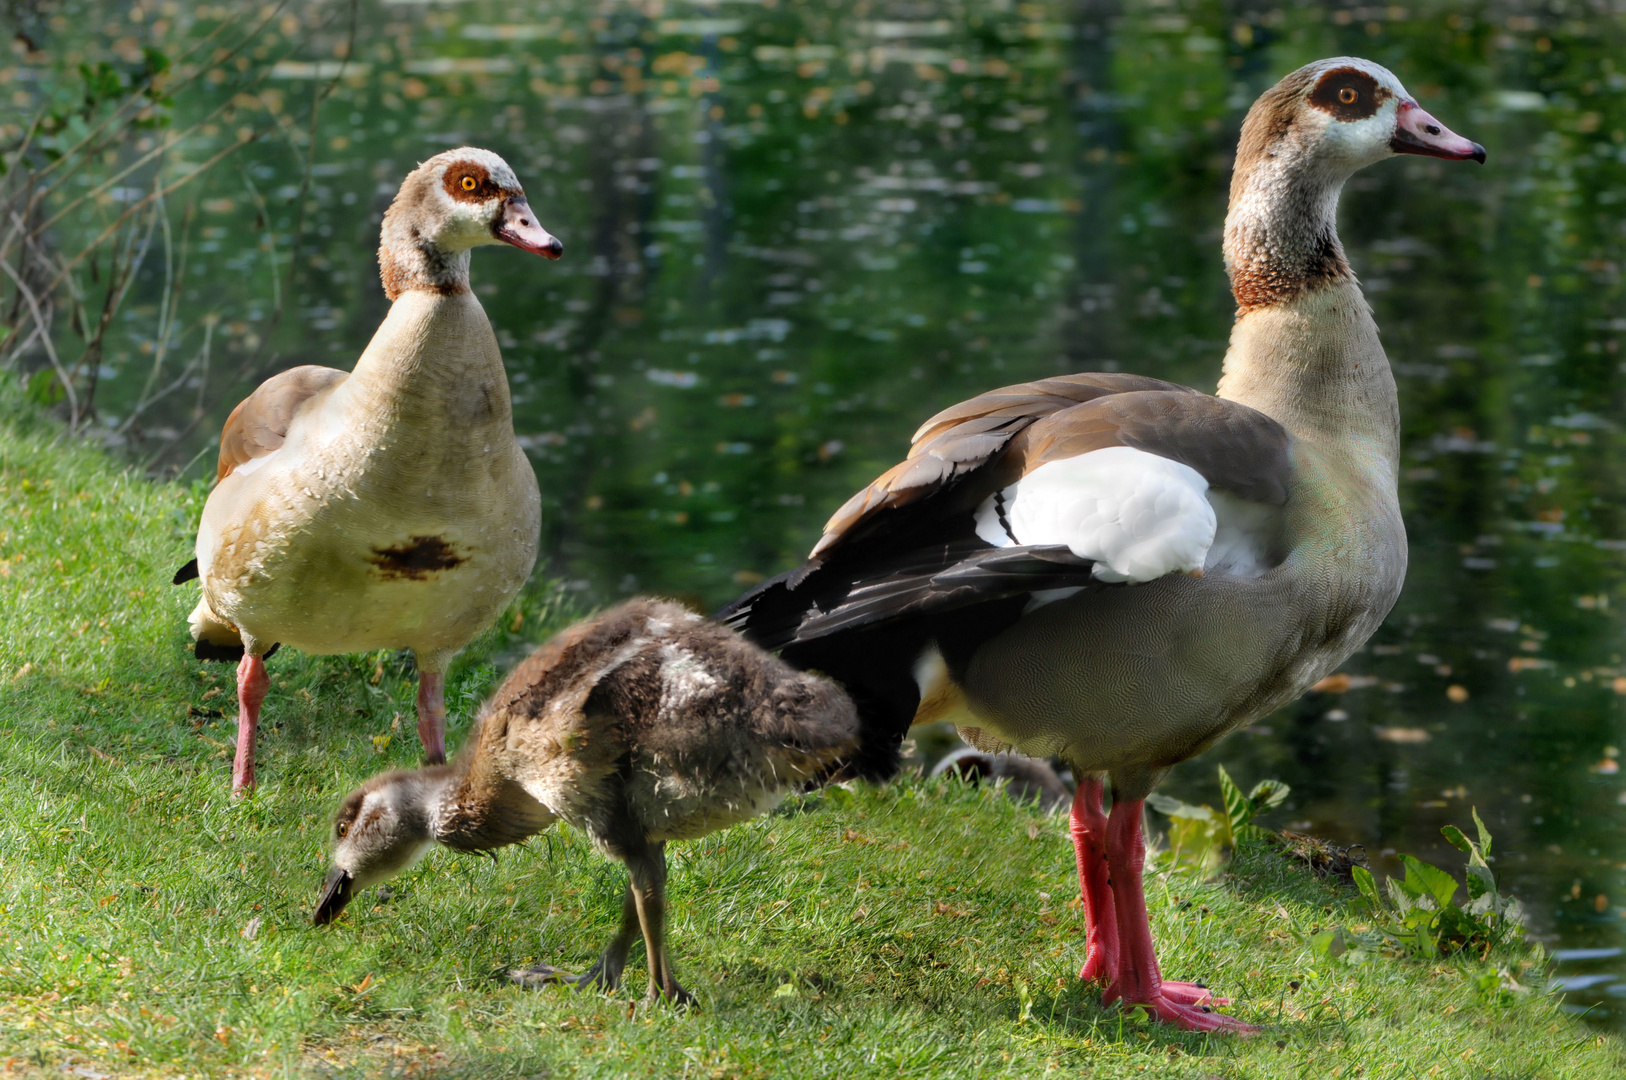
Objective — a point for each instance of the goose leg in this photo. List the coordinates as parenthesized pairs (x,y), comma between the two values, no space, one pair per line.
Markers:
(605,974)
(648,873)
(252,684)
(1138,980)
(1089,825)
(432,715)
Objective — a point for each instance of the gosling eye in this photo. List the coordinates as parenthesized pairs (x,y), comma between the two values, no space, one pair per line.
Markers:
(469,183)
(1347,95)
(341,829)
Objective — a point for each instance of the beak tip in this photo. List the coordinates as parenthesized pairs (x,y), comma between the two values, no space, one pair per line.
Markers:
(1479,154)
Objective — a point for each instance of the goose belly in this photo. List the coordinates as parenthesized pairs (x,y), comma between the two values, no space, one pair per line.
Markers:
(331,564)
(1142,677)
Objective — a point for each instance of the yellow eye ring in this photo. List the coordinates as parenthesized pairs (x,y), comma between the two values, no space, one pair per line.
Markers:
(1348,95)
(468,183)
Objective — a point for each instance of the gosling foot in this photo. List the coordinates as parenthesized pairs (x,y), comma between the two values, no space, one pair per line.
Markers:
(600,976)
(675,996)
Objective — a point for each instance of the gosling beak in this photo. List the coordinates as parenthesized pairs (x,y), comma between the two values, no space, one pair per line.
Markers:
(518,226)
(336,893)
(1416,132)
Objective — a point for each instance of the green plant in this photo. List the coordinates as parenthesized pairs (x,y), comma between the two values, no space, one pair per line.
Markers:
(1201,837)
(1420,914)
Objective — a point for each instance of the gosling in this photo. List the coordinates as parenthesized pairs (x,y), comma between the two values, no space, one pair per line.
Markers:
(643,725)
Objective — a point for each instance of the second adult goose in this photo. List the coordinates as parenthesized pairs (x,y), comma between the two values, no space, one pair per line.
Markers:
(387,507)
(643,725)
(1119,570)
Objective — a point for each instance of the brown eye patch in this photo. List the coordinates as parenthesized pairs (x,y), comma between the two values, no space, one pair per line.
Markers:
(1348,94)
(467,181)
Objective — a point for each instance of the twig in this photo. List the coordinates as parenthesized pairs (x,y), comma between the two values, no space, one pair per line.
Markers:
(45,339)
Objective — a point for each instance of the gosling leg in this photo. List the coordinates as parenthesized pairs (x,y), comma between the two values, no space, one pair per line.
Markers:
(605,974)
(647,870)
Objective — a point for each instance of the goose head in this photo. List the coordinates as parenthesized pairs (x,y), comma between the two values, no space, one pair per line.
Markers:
(451,204)
(1301,140)
(382,828)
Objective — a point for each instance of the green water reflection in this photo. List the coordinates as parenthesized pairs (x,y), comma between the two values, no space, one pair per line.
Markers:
(795,230)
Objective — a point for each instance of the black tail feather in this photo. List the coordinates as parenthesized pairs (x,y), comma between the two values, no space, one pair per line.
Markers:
(231,654)
(189,572)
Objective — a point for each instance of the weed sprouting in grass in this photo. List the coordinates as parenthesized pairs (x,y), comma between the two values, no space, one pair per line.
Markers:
(1201,838)
(1420,914)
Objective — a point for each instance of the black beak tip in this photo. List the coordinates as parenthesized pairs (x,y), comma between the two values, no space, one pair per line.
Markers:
(336,891)
(553,249)
(1479,153)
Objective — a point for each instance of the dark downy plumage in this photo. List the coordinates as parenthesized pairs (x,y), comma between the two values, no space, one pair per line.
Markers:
(643,725)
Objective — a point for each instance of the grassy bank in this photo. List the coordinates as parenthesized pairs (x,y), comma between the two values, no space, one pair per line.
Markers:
(149,926)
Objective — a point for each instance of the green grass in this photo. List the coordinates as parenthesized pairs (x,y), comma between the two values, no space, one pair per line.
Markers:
(926,929)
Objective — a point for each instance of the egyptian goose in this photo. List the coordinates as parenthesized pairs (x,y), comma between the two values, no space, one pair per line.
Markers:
(643,725)
(389,507)
(1119,570)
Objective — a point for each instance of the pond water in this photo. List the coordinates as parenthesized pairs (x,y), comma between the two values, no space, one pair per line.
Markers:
(795,230)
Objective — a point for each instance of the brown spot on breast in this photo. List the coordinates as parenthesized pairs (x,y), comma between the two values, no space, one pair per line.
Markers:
(1348,94)
(416,559)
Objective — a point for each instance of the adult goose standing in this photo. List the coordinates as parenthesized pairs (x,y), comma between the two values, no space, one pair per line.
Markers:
(1119,570)
(643,725)
(387,507)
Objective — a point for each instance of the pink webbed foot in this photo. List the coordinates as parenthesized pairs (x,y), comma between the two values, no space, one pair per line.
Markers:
(1197,1017)
(1137,980)
(1185,993)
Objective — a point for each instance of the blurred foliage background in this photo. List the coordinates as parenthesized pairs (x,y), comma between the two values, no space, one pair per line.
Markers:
(795,229)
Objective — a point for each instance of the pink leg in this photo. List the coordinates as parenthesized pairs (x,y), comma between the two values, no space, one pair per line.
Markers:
(252,683)
(1090,842)
(432,715)
(1138,981)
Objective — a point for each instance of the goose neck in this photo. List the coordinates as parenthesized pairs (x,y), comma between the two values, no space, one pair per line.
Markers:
(1281,232)
(434,359)
(1315,365)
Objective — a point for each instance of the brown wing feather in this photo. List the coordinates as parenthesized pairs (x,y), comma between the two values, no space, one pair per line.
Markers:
(975,432)
(1237,449)
(260,422)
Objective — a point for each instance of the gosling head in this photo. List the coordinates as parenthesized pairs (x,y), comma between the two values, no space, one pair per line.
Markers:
(452,203)
(382,828)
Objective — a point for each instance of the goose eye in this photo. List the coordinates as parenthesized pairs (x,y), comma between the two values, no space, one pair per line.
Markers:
(341,829)
(1347,95)
(468,183)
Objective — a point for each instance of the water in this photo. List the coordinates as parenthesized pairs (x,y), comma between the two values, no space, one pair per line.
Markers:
(794,231)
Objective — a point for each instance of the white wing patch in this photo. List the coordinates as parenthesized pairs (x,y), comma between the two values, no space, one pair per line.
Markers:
(1138,516)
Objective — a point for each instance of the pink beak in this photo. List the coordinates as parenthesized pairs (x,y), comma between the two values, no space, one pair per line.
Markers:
(518,226)
(1416,132)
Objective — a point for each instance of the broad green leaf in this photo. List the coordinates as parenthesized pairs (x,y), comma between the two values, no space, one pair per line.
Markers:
(1454,837)
(1484,833)
(1328,944)
(1429,879)
(1174,808)
(1267,795)
(1368,887)
(1479,881)
(1236,804)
